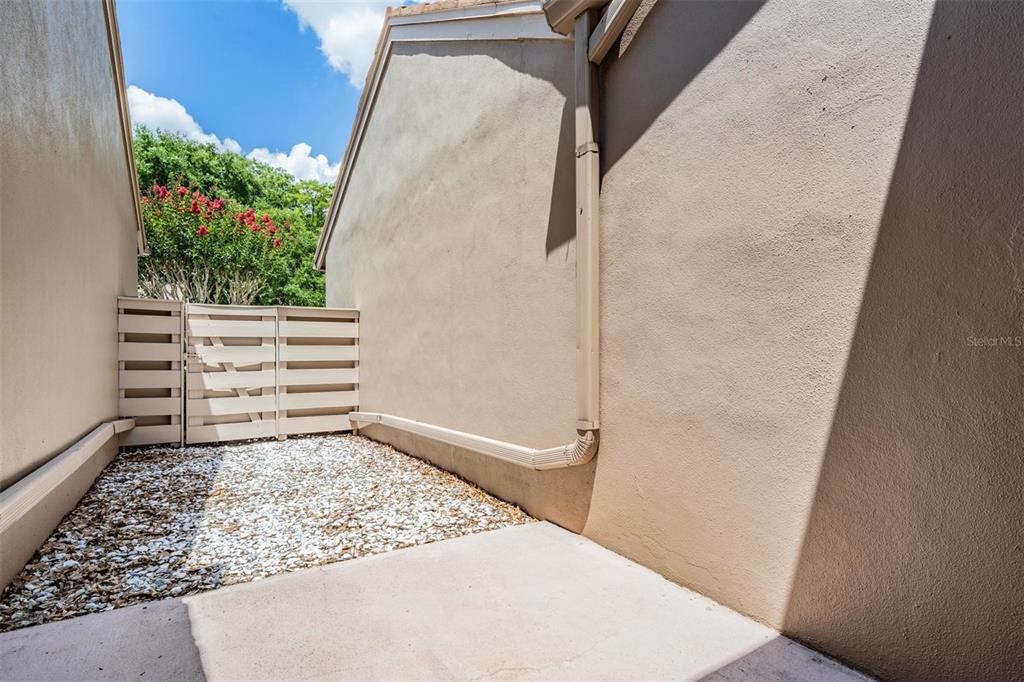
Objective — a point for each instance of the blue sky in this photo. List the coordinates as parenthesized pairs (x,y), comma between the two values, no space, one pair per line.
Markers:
(255,76)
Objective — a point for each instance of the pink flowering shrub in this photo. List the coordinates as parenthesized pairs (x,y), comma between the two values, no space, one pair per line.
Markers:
(207,249)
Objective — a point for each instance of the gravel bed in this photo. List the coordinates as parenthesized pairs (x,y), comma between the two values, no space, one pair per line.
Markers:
(167,522)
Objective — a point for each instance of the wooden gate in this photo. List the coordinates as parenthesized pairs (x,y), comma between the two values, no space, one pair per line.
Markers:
(249,371)
(231,355)
(274,371)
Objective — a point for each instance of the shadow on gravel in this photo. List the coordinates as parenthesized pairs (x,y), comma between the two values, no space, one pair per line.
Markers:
(128,541)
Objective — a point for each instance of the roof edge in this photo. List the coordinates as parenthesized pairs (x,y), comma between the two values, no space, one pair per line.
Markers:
(445,20)
(117,66)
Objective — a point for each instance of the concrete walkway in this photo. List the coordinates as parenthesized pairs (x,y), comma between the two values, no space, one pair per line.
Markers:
(526,602)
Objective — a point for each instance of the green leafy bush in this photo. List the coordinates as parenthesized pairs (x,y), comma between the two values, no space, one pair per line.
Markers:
(226,229)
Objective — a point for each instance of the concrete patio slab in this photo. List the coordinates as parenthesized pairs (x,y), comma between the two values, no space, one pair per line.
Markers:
(526,602)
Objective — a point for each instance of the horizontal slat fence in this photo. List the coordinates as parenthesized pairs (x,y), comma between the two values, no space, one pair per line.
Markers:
(318,369)
(149,337)
(250,371)
(232,384)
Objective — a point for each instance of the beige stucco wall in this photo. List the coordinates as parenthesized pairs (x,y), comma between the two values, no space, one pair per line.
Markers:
(67,239)
(808,215)
(454,243)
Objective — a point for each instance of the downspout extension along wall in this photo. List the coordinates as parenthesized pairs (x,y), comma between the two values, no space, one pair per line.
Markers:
(583,449)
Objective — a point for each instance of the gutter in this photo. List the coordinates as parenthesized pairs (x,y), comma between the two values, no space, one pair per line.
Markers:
(583,449)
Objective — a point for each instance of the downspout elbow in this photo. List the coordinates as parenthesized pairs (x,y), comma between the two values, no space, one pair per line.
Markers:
(585,447)
(577,453)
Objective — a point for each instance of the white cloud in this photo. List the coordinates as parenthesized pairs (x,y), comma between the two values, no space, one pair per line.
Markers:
(162,113)
(154,111)
(347,29)
(299,162)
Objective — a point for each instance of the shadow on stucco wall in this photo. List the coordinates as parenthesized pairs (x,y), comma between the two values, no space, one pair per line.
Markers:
(700,28)
(538,63)
(562,217)
(912,560)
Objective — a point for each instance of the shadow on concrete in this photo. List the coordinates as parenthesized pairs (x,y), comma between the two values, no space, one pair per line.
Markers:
(142,642)
(781,659)
(912,560)
(376,618)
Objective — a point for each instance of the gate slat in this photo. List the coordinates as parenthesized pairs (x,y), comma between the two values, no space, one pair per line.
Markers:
(207,407)
(149,407)
(137,351)
(312,377)
(236,355)
(317,424)
(320,353)
(299,401)
(231,328)
(212,433)
(225,381)
(324,330)
(152,378)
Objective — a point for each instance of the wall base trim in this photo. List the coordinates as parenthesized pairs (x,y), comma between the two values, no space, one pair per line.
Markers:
(578,452)
(31,508)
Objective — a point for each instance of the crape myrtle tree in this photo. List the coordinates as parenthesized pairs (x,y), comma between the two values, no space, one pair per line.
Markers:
(226,229)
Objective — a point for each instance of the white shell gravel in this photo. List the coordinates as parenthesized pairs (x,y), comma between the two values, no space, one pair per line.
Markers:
(167,522)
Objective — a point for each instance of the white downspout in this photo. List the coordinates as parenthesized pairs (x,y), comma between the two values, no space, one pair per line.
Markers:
(583,449)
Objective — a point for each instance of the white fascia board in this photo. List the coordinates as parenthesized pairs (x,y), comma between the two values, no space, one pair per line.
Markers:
(507,21)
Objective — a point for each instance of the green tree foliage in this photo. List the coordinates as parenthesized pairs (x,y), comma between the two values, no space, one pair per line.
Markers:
(222,263)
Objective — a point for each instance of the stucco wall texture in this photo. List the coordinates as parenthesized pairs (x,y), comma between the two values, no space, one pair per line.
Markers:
(454,241)
(811,232)
(67,242)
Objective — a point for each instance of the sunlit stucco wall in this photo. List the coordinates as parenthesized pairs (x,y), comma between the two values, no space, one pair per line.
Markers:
(67,246)
(808,213)
(455,242)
